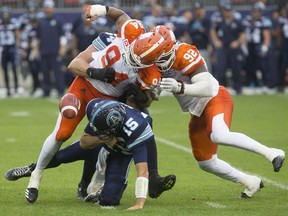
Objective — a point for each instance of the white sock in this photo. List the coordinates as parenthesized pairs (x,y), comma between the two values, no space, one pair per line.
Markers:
(222,169)
(49,149)
(222,135)
(35,178)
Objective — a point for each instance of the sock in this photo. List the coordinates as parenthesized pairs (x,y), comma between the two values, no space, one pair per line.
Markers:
(221,168)
(222,136)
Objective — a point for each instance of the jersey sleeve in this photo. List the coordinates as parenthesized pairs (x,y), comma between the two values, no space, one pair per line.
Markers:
(188,59)
(103,40)
(148,78)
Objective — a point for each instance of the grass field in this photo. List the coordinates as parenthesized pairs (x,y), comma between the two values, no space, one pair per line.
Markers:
(25,123)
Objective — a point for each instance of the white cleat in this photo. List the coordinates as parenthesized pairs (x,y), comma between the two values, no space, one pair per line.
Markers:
(252,185)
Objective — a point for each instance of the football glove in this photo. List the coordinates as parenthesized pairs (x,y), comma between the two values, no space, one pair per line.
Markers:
(172,85)
(134,91)
(103,74)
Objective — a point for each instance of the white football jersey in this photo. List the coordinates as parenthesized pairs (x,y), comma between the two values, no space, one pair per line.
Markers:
(112,56)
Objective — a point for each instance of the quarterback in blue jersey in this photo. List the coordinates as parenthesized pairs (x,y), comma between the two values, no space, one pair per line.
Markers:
(126,132)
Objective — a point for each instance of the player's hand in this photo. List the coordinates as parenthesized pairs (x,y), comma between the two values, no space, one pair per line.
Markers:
(134,91)
(170,85)
(95,11)
(111,141)
(103,74)
(138,205)
(135,207)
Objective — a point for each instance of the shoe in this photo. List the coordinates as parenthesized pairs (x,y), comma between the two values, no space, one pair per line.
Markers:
(157,185)
(278,159)
(255,184)
(31,194)
(19,172)
(82,191)
(277,163)
(94,197)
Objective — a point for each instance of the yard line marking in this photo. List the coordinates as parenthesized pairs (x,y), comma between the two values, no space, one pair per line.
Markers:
(188,150)
(276,184)
(175,145)
(215,205)
(20,113)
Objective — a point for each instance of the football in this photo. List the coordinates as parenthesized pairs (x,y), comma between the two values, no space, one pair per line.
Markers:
(69,105)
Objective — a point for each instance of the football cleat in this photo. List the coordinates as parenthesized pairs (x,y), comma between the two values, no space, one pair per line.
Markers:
(94,197)
(157,185)
(19,172)
(31,194)
(82,190)
(277,163)
(255,185)
(278,158)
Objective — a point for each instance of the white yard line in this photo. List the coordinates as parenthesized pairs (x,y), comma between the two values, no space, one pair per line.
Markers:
(215,205)
(188,150)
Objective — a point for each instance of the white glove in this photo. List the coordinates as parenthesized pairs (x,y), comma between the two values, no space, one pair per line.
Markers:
(170,85)
(94,11)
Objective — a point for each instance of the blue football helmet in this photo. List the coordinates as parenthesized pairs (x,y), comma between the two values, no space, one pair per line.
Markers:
(106,117)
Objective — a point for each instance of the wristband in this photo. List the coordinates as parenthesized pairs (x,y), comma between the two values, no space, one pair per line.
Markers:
(141,187)
(99,10)
(182,88)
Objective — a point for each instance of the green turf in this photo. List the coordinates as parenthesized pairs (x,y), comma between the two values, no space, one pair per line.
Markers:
(25,123)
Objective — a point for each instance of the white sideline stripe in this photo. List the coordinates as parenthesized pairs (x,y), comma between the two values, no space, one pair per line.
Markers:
(276,184)
(215,205)
(175,145)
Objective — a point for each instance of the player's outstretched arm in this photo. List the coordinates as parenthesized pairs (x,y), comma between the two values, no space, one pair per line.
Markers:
(116,15)
(141,185)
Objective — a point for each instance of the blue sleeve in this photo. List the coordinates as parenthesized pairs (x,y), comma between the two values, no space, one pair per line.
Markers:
(103,40)
(140,153)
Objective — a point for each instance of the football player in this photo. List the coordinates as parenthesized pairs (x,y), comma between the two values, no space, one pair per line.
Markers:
(106,81)
(211,107)
(9,34)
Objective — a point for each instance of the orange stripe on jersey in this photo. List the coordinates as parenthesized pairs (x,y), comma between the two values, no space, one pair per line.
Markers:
(148,78)
(188,59)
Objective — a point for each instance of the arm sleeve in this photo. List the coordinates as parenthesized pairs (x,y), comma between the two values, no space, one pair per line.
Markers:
(203,85)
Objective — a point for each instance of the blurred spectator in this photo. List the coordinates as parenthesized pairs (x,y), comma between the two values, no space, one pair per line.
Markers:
(51,47)
(137,12)
(284,45)
(258,32)
(28,29)
(155,17)
(275,47)
(182,25)
(227,36)
(9,38)
(198,30)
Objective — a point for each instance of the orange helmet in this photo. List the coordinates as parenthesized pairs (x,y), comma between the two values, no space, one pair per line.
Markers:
(166,61)
(130,30)
(145,50)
